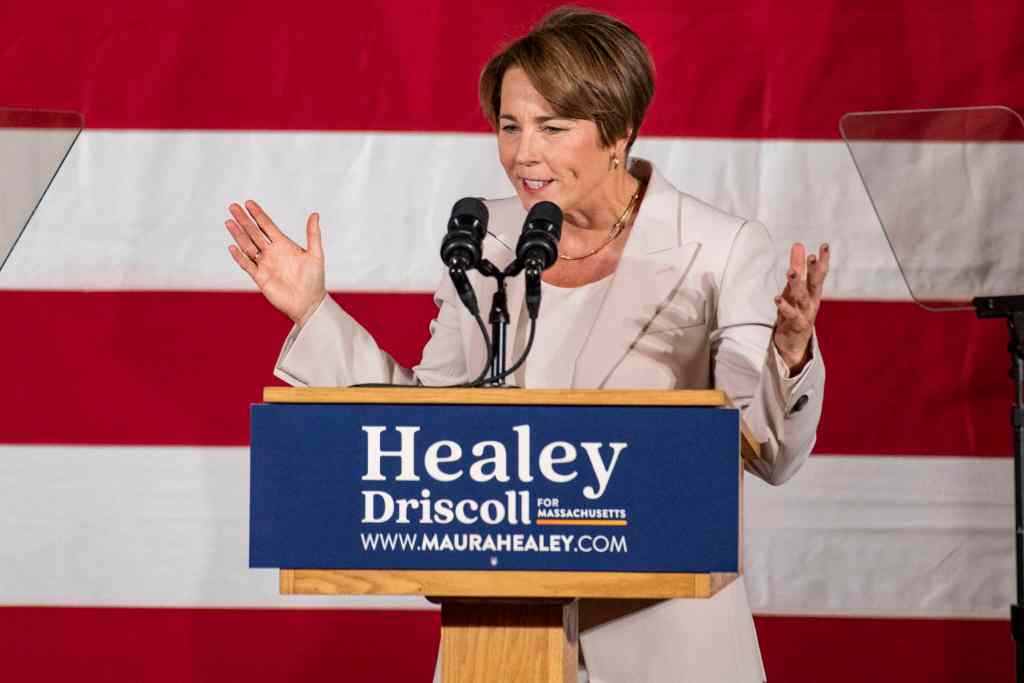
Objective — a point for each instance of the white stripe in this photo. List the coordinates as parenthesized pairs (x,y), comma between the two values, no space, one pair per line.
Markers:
(168,527)
(884,536)
(145,526)
(145,210)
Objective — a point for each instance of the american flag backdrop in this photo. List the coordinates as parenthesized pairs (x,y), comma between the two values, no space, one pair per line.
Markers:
(133,345)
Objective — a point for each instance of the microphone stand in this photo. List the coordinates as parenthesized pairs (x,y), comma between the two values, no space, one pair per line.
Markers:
(499,323)
(1011,308)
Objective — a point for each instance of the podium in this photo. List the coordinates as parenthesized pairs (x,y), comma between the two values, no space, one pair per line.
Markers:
(525,514)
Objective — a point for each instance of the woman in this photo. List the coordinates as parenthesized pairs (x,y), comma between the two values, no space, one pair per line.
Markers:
(654,289)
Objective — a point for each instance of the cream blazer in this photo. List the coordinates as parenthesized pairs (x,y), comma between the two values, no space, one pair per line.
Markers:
(690,306)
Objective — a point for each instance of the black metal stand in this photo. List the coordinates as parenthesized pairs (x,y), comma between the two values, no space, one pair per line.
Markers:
(499,334)
(1011,308)
(499,324)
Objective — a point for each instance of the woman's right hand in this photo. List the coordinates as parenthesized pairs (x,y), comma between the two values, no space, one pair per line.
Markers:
(292,278)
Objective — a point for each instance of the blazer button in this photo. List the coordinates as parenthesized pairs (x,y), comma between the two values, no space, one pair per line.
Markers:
(800,403)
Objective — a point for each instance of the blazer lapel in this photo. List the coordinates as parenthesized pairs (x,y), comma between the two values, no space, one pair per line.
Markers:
(653,263)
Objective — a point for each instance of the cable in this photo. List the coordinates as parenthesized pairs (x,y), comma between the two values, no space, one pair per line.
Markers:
(480,379)
(490,356)
(519,361)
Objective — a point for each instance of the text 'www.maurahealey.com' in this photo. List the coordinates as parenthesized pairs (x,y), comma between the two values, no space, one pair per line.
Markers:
(496,543)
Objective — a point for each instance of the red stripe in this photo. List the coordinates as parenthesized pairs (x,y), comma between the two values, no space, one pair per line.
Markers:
(157,645)
(749,69)
(176,645)
(843,650)
(160,367)
(902,380)
(182,367)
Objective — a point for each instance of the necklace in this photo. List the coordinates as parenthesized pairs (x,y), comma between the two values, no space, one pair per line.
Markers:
(615,231)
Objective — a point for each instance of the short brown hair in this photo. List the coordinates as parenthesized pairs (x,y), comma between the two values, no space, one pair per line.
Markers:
(588,65)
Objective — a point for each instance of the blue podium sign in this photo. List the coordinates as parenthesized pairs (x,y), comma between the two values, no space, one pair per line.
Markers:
(495,487)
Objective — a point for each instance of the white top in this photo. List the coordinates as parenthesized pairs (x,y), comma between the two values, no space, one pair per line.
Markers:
(556,346)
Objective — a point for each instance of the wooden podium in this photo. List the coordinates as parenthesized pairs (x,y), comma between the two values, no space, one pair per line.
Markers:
(499,622)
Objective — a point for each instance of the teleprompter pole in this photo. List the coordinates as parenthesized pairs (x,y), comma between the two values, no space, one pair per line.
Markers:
(1018,476)
(1011,308)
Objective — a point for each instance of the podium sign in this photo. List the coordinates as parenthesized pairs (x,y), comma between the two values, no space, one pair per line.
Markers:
(582,488)
(507,505)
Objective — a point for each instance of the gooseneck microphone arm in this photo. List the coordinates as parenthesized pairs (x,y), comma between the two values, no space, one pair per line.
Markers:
(464,288)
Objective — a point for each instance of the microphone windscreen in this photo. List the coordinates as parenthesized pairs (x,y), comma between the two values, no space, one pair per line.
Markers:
(549,212)
(470,208)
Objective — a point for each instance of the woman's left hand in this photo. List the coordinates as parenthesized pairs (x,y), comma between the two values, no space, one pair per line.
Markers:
(798,305)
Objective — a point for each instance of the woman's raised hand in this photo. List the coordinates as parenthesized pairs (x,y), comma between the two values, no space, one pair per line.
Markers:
(798,305)
(292,278)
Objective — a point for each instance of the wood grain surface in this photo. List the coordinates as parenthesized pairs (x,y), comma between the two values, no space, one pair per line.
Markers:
(421,395)
(510,584)
(514,642)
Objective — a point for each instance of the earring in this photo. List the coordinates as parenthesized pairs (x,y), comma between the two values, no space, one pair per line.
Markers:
(615,163)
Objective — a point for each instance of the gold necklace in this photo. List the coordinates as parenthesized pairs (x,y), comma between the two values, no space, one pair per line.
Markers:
(615,231)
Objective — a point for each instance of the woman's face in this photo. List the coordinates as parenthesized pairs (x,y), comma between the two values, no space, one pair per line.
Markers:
(549,158)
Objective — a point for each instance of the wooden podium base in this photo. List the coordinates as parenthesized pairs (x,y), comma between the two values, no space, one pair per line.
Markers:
(513,641)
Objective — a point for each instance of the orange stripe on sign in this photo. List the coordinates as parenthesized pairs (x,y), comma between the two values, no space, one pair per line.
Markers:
(581,522)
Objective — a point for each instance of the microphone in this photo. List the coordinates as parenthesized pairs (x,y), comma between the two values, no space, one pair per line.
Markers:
(537,249)
(538,243)
(462,246)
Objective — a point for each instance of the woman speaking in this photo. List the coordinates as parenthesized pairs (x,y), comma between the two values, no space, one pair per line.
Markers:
(652,289)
